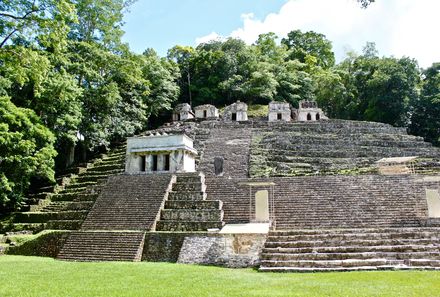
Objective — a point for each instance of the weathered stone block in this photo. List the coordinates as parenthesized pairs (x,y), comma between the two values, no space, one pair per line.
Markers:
(196,196)
(193,215)
(187,226)
(185,204)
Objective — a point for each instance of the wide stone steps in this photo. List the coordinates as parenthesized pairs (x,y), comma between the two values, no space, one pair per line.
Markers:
(329,147)
(352,249)
(361,247)
(128,203)
(79,189)
(346,256)
(103,246)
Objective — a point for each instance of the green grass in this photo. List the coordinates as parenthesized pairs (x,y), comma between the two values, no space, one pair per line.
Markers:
(32,276)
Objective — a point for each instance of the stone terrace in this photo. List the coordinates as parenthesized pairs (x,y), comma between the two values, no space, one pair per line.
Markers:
(352,249)
(329,201)
(329,147)
(259,148)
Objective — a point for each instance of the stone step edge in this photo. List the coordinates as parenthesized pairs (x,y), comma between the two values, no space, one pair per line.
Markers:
(347,269)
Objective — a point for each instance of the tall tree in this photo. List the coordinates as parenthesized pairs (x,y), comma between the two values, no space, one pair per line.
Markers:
(27,153)
(43,22)
(310,48)
(100,21)
(425,118)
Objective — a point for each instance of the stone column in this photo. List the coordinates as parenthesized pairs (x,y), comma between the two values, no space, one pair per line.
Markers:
(160,162)
(148,163)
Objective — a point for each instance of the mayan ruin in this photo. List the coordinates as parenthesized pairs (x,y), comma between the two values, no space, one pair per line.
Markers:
(293,192)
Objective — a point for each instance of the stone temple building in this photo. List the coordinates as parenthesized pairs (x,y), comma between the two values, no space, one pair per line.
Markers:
(305,195)
(236,112)
(279,111)
(160,153)
(308,111)
(206,111)
(183,112)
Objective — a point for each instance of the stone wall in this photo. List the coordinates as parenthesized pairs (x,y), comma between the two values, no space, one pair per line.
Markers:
(45,245)
(229,250)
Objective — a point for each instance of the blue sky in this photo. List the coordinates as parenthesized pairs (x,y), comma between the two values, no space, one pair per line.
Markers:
(161,24)
(398,27)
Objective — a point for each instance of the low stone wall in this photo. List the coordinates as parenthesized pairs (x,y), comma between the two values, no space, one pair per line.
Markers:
(45,245)
(229,250)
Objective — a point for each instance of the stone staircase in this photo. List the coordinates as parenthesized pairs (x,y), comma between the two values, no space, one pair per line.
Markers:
(351,249)
(103,246)
(67,208)
(187,208)
(115,227)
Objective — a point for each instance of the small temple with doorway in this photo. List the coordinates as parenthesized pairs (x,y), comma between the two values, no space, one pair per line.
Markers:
(308,111)
(157,153)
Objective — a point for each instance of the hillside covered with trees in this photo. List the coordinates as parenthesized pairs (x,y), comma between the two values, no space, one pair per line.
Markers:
(70,87)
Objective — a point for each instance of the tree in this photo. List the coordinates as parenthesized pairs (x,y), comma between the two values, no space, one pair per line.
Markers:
(182,57)
(369,88)
(310,48)
(100,21)
(425,117)
(163,77)
(27,152)
(294,83)
(43,22)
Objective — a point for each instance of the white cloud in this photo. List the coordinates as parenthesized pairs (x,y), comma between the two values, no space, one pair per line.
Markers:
(398,27)
(209,37)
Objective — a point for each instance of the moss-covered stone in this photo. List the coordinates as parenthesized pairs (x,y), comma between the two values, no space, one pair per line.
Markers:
(45,244)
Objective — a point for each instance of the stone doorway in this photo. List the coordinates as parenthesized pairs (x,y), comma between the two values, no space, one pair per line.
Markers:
(262,202)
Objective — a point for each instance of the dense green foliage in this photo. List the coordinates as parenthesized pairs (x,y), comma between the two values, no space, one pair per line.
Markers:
(65,61)
(363,87)
(367,87)
(425,118)
(48,277)
(221,72)
(27,152)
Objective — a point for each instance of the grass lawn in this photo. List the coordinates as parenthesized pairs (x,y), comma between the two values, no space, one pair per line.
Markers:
(32,276)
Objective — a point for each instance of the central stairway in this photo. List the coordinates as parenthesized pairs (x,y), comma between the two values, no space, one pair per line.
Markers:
(351,250)
(187,208)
